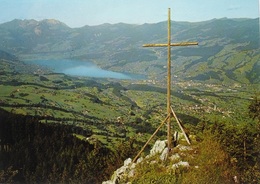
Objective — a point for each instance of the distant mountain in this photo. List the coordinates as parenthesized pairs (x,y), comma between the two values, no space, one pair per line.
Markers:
(30,36)
(228,49)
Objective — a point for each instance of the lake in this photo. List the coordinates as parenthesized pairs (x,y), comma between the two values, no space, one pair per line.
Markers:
(82,68)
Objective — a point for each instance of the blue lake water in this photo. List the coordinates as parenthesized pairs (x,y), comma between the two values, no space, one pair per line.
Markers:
(82,68)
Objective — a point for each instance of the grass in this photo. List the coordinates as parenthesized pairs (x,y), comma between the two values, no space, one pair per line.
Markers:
(81,137)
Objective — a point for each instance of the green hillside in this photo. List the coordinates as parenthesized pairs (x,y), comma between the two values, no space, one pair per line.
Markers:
(228,49)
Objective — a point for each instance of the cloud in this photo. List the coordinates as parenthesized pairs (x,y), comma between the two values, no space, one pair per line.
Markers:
(234,7)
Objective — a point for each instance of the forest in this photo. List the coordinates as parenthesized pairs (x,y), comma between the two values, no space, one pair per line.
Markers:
(33,152)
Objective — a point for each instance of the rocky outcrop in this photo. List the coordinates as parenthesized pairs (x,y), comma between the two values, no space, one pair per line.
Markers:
(119,173)
(158,153)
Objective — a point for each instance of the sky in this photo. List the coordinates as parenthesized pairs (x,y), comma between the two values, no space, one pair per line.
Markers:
(78,13)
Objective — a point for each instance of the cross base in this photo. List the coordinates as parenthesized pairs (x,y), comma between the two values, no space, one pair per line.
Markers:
(172,114)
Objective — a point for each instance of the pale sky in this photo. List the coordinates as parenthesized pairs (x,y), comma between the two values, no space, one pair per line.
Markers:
(78,13)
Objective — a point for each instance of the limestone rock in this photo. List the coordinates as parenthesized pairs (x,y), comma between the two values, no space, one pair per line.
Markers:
(158,147)
(119,173)
(184,148)
(164,154)
(181,163)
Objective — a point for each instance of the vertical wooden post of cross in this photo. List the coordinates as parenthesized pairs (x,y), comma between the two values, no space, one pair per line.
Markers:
(169,139)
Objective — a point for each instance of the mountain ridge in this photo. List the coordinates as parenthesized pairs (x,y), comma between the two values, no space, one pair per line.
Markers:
(189,22)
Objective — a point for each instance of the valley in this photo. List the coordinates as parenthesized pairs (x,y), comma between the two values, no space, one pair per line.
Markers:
(141,104)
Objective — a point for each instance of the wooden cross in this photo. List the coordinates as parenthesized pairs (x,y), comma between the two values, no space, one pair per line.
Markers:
(169,45)
(170,111)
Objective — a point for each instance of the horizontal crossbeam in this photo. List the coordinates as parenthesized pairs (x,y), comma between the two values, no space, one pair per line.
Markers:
(172,44)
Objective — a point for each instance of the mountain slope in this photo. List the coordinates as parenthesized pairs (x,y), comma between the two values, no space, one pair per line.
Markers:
(228,49)
(30,36)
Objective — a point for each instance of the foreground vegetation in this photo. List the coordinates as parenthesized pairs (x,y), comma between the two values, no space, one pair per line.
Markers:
(33,152)
(221,154)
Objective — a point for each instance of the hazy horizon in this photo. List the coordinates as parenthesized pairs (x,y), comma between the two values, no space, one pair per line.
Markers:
(125,22)
(81,13)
